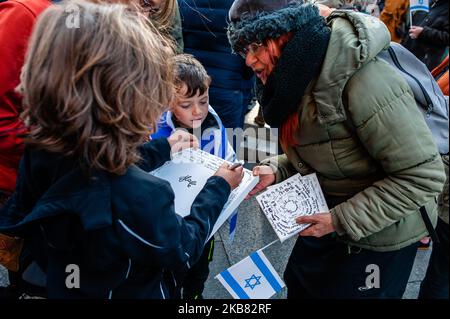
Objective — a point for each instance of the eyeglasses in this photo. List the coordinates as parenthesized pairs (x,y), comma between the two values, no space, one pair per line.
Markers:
(149,7)
(251,48)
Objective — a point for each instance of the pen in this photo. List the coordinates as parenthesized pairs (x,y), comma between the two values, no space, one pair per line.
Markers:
(235,165)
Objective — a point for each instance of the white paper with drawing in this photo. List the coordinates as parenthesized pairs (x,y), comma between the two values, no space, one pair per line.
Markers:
(294,197)
(188,172)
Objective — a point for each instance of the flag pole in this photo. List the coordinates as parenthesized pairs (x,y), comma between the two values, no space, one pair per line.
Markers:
(410,17)
(267,246)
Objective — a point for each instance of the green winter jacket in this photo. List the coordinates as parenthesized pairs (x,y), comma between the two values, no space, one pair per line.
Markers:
(377,171)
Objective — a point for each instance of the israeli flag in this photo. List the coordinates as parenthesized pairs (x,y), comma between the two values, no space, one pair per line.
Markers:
(419,5)
(251,278)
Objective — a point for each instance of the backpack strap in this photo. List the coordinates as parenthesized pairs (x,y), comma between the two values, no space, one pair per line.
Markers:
(429,225)
(429,103)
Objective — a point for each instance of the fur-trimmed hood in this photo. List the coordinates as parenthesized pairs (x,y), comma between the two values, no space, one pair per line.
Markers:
(258,20)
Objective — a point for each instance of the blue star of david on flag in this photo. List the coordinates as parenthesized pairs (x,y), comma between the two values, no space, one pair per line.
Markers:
(251,278)
(419,5)
(255,278)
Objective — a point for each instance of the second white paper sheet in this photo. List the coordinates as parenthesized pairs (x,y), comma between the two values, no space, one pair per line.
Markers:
(294,197)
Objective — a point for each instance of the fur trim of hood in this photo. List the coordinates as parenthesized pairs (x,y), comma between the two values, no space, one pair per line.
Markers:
(250,24)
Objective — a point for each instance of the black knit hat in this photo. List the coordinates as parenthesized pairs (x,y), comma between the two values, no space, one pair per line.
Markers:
(258,20)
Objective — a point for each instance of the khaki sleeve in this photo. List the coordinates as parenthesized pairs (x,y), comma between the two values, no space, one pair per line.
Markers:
(281,166)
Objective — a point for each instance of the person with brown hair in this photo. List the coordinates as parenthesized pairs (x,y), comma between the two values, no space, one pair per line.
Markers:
(166,15)
(394,16)
(84,198)
(190,110)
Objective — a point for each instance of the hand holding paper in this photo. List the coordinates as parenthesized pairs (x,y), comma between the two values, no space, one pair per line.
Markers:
(321,224)
(266,178)
(288,203)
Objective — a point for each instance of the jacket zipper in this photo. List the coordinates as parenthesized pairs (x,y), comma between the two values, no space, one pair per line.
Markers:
(427,97)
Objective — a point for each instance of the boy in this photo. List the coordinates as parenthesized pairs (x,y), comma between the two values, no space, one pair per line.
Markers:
(190,110)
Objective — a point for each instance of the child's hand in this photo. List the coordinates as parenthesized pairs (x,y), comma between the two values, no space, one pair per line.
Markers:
(232,176)
(180,140)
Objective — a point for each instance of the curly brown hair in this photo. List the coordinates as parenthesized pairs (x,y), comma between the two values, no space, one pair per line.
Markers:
(95,91)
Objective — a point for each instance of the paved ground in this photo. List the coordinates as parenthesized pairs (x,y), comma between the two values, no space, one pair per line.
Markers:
(254,232)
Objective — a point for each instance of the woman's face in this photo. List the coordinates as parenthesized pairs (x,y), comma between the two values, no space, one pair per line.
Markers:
(262,58)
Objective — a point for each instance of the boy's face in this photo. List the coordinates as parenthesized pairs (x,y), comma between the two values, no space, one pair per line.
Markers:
(190,111)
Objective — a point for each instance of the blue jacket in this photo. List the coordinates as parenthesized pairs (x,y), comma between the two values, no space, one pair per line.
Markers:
(205,36)
(121,231)
(204,33)
(214,138)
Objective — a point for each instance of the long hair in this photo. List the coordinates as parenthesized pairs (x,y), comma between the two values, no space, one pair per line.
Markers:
(165,16)
(288,131)
(96,91)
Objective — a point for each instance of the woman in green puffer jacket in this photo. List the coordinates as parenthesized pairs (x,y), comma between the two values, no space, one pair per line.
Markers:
(315,77)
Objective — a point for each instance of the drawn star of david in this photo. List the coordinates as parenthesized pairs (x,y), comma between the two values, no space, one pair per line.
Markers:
(256,282)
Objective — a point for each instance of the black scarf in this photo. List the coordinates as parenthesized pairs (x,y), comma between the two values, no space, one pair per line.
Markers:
(298,65)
